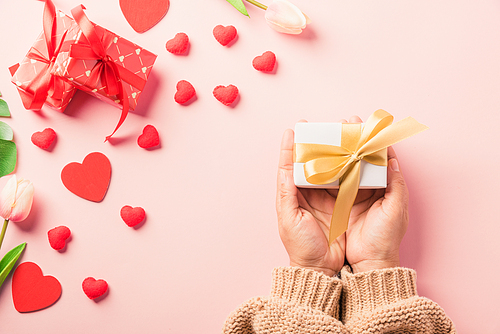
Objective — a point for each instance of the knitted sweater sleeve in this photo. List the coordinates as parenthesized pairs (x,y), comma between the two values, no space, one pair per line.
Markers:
(301,301)
(386,301)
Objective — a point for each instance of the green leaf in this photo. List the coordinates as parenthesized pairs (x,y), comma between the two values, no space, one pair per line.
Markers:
(4,109)
(239,5)
(8,157)
(6,132)
(9,260)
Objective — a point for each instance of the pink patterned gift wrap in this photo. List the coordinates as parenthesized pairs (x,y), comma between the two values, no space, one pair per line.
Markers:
(87,71)
(33,77)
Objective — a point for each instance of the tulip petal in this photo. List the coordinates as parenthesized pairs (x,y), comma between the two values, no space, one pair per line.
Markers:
(308,20)
(285,17)
(23,204)
(279,28)
(21,186)
(8,197)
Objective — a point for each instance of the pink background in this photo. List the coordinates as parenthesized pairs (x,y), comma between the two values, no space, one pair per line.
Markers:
(210,240)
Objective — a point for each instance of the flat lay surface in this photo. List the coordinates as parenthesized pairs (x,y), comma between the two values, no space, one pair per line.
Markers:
(206,179)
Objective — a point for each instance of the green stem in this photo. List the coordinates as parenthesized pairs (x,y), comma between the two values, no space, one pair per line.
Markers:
(5,223)
(258,4)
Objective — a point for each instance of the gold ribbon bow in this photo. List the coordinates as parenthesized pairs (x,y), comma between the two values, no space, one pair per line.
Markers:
(325,164)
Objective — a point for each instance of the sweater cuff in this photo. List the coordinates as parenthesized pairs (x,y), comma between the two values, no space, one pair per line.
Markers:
(307,288)
(366,291)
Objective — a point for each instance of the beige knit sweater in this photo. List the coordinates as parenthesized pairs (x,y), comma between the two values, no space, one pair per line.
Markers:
(306,301)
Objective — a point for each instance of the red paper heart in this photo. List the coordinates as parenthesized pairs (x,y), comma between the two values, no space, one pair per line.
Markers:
(144,14)
(264,63)
(57,237)
(179,44)
(44,138)
(31,291)
(90,179)
(132,216)
(226,95)
(185,92)
(94,288)
(149,137)
(224,35)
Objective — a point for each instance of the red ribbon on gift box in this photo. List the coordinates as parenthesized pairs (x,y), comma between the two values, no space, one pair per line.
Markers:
(111,75)
(44,84)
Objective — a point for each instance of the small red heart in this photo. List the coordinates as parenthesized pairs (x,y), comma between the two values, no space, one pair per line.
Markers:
(94,288)
(44,138)
(144,14)
(90,179)
(132,216)
(224,35)
(57,237)
(31,291)
(185,92)
(226,95)
(264,63)
(179,44)
(149,137)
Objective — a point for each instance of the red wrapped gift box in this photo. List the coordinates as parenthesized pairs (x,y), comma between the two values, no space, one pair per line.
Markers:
(86,71)
(33,76)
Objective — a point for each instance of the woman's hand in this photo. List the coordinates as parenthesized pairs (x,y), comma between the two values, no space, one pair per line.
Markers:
(378,221)
(304,219)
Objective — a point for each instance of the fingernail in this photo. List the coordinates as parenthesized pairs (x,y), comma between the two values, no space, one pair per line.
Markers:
(394,165)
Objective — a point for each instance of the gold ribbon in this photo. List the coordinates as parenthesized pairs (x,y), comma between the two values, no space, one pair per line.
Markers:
(325,164)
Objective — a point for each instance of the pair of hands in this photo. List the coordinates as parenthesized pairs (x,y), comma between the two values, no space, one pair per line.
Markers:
(377,223)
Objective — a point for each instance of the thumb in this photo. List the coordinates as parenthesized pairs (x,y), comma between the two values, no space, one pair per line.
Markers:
(288,203)
(396,186)
(395,203)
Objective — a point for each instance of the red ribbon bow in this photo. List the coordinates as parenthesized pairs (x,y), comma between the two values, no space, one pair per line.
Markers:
(44,83)
(111,75)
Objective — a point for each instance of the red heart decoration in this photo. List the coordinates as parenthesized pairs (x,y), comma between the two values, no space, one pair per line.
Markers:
(179,44)
(185,92)
(94,288)
(132,216)
(224,35)
(57,237)
(264,63)
(226,95)
(90,179)
(31,291)
(149,137)
(142,15)
(44,138)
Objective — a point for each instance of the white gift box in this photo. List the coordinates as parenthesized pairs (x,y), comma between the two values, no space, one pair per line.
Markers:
(371,176)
